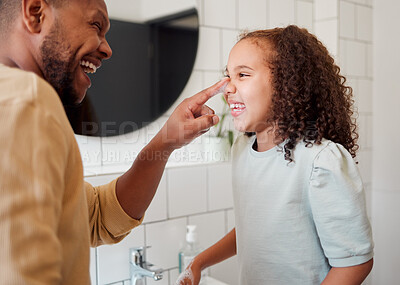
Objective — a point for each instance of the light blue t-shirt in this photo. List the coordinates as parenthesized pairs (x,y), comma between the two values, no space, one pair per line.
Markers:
(296,220)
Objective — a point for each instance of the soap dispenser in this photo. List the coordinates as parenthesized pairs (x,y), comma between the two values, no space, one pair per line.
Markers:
(191,248)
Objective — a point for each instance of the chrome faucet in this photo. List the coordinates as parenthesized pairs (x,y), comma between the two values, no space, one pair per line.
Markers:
(140,268)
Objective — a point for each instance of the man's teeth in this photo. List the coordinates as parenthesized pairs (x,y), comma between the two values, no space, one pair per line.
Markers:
(237,106)
(88,67)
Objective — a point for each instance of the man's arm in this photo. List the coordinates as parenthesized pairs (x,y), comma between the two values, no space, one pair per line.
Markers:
(352,275)
(136,188)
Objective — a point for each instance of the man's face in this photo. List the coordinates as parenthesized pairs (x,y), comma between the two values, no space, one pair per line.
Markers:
(75,46)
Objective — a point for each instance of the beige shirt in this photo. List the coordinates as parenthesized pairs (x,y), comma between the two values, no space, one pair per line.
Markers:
(47,219)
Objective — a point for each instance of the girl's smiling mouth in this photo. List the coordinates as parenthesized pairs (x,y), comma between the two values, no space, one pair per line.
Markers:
(237,108)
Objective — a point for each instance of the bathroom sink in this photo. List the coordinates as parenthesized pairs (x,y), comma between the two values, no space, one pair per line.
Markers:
(211,281)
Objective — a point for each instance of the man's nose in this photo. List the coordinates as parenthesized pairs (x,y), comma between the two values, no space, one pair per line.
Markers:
(105,49)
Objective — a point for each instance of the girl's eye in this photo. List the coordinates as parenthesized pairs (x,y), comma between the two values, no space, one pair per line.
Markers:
(243,75)
(227,75)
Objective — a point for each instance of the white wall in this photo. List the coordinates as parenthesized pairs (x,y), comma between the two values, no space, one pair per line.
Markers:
(386,141)
(343,25)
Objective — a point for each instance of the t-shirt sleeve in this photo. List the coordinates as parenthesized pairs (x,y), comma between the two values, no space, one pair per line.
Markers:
(108,222)
(337,201)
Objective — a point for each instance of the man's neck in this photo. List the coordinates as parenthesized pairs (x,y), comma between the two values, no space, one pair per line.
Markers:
(16,51)
(7,61)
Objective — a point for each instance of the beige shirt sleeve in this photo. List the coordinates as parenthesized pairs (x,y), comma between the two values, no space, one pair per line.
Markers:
(108,222)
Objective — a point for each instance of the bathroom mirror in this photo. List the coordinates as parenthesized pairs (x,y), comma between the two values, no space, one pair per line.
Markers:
(154,45)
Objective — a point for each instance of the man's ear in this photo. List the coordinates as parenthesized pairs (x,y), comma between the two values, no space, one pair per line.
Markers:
(33,14)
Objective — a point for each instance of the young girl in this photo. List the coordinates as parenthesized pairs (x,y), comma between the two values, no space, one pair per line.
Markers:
(298,197)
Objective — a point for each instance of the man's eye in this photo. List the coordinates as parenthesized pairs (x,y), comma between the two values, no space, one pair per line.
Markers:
(97,25)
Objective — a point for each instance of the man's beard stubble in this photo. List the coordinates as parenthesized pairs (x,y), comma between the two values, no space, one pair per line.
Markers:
(57,61)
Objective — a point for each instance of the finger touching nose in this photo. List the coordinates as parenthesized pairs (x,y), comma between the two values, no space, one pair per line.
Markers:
(230,88)
(203,96)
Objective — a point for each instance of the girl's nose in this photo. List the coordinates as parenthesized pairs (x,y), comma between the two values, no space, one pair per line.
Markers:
(230,88)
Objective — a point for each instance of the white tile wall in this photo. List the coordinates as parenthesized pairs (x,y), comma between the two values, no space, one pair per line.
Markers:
(253,14)
(386,231)
(304,15)
(364,165)
(187,191)
(364,23)
(113,260)
(364,95)
(230,220)
(347,21)
(157,210)
(229,39)
(112,263)
(194,85)
(173,276)
(219,190)
(202,194)
(364,131)
(166,239)
(386,169)
(354,54)
(221,13)
(358,1)
(325,9)
(281,12)
(208,56)
(369,61)
(327,32)
(210,227)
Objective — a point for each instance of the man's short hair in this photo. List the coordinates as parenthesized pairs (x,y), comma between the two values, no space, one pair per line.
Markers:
(9,10)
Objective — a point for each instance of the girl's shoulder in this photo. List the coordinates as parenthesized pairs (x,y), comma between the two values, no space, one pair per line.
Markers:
(326,148)
(334,159)
(325,154)
(329,150)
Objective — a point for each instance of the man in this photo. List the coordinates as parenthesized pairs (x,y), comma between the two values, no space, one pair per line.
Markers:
(48,215)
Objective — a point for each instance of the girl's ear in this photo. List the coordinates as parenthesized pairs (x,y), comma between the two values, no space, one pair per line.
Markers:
(33,14)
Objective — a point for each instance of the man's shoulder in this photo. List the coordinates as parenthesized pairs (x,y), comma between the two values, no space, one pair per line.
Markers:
(20,86)
(27,97)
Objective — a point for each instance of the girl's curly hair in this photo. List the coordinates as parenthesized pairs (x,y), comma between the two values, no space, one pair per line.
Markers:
(310,99)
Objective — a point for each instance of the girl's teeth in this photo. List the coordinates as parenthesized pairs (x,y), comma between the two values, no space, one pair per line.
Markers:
(236,106)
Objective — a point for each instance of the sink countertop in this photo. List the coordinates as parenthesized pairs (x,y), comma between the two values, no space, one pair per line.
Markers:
(211,281)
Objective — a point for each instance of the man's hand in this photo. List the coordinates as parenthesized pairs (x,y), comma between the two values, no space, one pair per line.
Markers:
(136,188)
(191,118)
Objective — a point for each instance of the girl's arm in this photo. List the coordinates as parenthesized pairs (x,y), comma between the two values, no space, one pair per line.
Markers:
(352,275)
(220,251)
